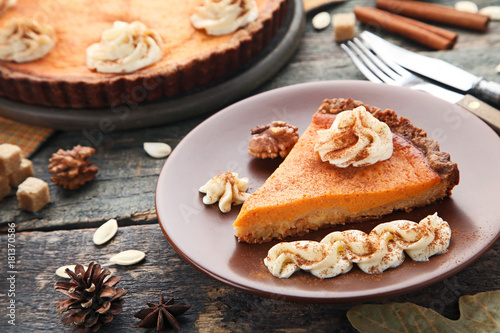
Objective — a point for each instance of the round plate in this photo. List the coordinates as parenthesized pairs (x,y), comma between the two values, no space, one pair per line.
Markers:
(204,236)
(214,96)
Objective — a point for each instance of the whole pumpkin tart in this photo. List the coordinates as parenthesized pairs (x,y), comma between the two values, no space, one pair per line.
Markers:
(191,58)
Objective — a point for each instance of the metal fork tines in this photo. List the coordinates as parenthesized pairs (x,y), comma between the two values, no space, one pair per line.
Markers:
(379,68)
(373,67)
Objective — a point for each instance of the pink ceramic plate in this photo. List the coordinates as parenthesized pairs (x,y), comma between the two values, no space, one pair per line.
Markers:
(203,236)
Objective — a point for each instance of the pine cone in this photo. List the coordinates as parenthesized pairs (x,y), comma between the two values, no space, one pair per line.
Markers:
(92,301)
(71,167)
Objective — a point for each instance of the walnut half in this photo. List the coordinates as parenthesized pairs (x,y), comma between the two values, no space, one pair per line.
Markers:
(272,140)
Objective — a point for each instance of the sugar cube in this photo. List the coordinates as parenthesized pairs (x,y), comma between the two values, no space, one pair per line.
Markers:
(10,158)
(343,26)
(25,170)
(33,194)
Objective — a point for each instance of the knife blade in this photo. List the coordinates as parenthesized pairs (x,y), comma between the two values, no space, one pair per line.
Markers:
(437,69)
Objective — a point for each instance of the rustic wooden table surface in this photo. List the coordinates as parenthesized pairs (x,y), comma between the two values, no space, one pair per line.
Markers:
(124,189)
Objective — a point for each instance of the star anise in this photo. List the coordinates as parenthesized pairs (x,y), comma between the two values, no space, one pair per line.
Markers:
(161,314)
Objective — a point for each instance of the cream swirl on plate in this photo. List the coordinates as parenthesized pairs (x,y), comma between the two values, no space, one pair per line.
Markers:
(227,188)
(125,48)
(222,17)
(24,40)
(381,249)
(355,138)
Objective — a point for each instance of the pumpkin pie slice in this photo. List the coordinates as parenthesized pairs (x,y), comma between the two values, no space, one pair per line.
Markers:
(305,193)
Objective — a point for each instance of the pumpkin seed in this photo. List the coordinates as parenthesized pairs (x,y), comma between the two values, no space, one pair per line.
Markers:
(105,232)
(466,6)
(129,257)
(492,11)
(61,271)
(321,20)
(157,149)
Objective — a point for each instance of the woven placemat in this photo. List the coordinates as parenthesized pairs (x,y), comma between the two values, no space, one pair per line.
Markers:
(28,137)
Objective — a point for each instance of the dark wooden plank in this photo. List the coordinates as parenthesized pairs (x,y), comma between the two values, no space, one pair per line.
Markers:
(215,307)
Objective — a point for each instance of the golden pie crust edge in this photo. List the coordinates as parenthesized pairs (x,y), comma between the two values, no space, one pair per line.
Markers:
(133,88)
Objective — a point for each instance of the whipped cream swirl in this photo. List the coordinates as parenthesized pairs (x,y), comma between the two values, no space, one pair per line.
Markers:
(381,249)
(24,40)
(125,48)
(355,138)
(222,17)
(226,188)
(5,5)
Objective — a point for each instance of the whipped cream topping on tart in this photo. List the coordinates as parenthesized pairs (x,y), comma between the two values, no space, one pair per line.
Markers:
(222,17)
(23,40)
(125,48)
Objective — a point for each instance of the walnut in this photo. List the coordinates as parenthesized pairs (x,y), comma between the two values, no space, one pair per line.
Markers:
(71,168)
(272,140)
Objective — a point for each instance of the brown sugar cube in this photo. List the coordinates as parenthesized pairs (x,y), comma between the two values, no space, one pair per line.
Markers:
(33,194)
(4,186)
(24,171)
(10,158)
(343,26)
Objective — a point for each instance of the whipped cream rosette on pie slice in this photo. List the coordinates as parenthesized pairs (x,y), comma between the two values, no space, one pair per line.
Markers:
(353,163)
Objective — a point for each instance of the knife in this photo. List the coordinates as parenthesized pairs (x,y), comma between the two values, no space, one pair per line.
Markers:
(438,70)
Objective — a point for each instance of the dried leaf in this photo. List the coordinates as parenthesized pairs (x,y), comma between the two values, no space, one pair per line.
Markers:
(479,313)
(105,232)
(129,257)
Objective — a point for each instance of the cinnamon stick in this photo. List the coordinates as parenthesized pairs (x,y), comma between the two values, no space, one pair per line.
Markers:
(315,4)
(449,35)
(436,13)
(431,36)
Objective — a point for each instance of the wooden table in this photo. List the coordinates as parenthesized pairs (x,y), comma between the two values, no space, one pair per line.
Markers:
(124,189)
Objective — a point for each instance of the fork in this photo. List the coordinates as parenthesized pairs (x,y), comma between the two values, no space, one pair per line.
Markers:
(380,68)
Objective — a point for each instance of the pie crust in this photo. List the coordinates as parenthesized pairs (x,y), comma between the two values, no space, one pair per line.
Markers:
(191,58)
